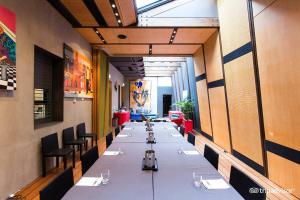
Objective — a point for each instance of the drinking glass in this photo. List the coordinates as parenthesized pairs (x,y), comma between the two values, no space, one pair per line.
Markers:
(105,175)
(197,179)
(120,151)
(180,151)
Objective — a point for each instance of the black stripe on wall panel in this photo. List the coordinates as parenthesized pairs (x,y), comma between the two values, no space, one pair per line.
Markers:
(249,162)
(64,12)
(238,53)
(283,151)
(200,77)
(91,5)
(206,135)
(217,83)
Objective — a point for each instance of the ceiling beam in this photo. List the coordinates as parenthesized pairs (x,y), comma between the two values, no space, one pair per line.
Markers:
(91,5)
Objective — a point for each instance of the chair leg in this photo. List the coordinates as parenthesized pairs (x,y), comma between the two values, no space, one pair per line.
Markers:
(44,166)
(80,149)
(65,162)
(57,161)
(92,141)
(73,158)
(86,143)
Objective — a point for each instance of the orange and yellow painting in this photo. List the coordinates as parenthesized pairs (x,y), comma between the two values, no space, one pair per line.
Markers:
(140,94)
(78,74)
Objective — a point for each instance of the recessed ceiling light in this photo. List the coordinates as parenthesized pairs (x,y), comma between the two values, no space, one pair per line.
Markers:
(122,37)
(113,5)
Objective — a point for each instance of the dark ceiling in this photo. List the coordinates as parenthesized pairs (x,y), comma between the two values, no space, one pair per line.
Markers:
(129,66)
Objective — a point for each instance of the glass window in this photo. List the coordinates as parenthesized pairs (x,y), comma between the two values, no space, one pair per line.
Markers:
(142,3)
(164,82)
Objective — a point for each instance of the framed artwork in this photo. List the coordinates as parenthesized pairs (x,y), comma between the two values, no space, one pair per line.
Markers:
(140,97)
(8,79)
(78,74)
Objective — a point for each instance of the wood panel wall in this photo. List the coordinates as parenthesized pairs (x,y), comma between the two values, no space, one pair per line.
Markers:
(214,72)
(202,94)
(240,79)
(279,60)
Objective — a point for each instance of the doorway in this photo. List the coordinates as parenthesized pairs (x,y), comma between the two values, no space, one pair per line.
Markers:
(167,103)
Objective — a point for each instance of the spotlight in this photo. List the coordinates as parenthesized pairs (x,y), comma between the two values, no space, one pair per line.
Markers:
(113,5)
(117,14)
(119,21)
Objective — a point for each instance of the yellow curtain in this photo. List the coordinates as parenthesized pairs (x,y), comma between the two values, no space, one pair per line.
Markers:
(100,102)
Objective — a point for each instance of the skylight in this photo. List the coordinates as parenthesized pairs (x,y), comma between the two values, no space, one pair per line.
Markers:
(142,3)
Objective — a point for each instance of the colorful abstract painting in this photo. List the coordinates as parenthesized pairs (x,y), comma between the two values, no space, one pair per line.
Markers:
(78,74)
(8,79)
(140,97)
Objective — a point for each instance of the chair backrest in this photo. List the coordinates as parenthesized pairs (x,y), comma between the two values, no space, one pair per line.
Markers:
(122,127)
(156,120)
(109,139)
(181,130)
(211,156)
(191,138)
(57,188)
(49,143)
(139,120)
(117,131)
(243,184)
(132,120)
(81,130)
(68,135)
(89,158)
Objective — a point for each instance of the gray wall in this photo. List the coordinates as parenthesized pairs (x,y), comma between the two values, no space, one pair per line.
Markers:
(37,23)
(116,77)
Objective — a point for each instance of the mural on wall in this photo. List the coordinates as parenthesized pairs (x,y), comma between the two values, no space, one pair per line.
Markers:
(78,74)
(140,99)
(8,79)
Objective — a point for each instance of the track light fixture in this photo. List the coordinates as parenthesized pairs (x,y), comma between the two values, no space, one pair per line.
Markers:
(100,36)
(173,36)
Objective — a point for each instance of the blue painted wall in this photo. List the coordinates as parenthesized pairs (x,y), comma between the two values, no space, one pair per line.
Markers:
(160,92)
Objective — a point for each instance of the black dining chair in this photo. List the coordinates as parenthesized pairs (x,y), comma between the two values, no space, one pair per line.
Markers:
(81,133)
(88,159)
(50,148)
(123,126)
(211,156)
(132,120)
(109,139)
(139,120)
(181,130)
(117,131)
(191,138)
(59,186)
(69,140)
(243,184)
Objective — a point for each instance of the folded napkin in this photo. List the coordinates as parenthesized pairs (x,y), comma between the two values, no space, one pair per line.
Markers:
(127,128)
(122,135)
(176,135)
(215,184)
(111,153)
(89,181)
(191,152)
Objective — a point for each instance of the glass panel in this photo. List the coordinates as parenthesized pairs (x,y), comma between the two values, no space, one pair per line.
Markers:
(142,3)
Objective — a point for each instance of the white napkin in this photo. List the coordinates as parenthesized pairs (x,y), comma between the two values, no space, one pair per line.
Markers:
(215,184)
(122,135)
(89,181)
(176,135)
(111,153)
(127,128)
(170,128)
(191,152)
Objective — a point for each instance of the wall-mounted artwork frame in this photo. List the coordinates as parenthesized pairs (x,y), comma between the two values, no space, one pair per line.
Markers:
(8,79)
(78,74)
(140,95)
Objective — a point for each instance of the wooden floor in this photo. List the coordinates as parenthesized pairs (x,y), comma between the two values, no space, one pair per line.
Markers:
(31,191)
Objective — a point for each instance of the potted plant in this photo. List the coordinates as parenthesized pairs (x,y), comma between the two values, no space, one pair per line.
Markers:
(186,106)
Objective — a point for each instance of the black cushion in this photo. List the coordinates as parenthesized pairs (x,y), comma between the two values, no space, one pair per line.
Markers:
(59,152)
(211,156)
(191,138)
(242,183)
(49,143)
(57,188)
(109,139)
(181,130)
(117,131)
(89,158)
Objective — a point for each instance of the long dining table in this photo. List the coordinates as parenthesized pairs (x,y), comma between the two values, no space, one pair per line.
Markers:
(172,181)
